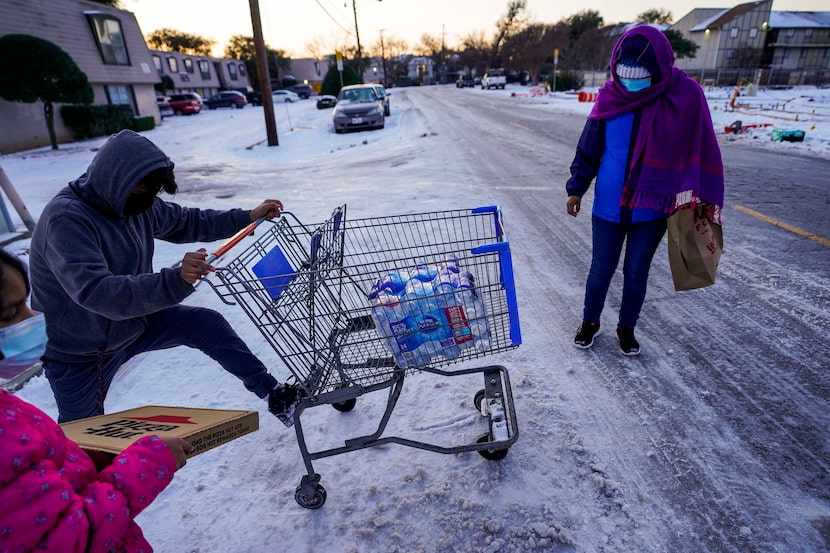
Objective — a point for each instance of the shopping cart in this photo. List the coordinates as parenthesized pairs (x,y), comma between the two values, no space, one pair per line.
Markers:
(309,289)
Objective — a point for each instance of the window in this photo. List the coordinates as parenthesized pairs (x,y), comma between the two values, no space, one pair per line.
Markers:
(753,33)
(188,65)
(730,54)
(157,63)
(804,53)
(119,94)
(232,71)
(733,32)
(109,37)
(242,69)
(173,64)
(204,69)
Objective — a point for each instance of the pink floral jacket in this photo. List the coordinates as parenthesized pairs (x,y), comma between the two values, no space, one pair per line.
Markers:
(53,499)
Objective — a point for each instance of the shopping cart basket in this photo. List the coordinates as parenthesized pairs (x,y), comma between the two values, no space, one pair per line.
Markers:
(313,293)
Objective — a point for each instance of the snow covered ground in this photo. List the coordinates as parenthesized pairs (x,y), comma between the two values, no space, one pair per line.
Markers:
(549,494)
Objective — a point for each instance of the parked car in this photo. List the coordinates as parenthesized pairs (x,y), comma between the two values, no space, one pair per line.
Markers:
(494,78)
(464,82)
(384,98)
(185,103)
(226,99)
(358,107)
(326,101)
(284,95)
(304,91)
(163,103)
(252,96)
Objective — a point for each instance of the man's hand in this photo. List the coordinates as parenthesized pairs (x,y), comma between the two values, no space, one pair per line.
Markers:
(573,205)
(195,267)
(179,447)
(268,209)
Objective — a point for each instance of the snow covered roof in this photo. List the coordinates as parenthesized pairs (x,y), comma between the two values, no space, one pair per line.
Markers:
(789,20)
(732,13)
(707,23)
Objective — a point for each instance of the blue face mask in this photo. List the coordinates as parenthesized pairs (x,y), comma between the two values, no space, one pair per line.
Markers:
(21,345)
(635,85)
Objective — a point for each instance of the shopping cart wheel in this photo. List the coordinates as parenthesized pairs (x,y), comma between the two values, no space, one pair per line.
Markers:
(478,399)
(313,500)
(345,406)
(491,454)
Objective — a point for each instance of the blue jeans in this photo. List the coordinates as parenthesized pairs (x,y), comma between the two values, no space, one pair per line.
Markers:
(641,241)
(80,388)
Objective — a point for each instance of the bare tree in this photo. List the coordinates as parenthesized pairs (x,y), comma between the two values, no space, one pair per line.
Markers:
(509,23)
(531,47)
(475,51)
(592,50)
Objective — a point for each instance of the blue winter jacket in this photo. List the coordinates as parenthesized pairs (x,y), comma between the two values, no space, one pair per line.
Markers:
(92,268)
(604,152)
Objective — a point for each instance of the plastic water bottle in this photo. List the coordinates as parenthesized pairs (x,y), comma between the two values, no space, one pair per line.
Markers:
(457,335)
(391,283)
(474,311)
(399,329)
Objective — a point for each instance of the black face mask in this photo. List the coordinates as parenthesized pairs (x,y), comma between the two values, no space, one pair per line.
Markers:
(138,203)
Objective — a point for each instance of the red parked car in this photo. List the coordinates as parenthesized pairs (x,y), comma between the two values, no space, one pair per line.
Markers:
(185,103)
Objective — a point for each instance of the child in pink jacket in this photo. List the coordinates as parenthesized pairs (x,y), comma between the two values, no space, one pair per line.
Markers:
(52,498)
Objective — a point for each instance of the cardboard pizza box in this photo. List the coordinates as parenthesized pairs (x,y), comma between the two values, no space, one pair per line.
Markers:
(204,428)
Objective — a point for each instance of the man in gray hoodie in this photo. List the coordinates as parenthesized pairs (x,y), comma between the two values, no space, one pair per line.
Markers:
(91,267)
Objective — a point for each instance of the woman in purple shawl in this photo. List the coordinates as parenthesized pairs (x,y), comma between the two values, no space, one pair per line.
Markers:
(650,144)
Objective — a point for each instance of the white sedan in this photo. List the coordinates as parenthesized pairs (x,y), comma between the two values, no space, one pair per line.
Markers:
(284,96)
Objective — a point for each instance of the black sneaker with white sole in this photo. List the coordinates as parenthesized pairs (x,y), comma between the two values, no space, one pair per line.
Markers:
(628,344)
(586,334)
(282,402)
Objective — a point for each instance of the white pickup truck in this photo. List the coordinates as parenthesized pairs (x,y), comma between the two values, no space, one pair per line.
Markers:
(493,78)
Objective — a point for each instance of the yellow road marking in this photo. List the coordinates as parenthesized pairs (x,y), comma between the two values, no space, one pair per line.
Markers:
(520,126)
(785,226)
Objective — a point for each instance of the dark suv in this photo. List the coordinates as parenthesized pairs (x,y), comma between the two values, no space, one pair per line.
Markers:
(185,103)
(227,99)
(304,91)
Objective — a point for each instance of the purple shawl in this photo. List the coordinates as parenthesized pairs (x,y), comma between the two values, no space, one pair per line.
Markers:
(676,158)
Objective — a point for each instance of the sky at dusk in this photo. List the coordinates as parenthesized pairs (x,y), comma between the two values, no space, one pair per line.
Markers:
(290,25)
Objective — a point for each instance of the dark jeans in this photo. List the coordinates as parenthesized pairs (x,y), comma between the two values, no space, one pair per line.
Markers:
(641,241)
(80,388)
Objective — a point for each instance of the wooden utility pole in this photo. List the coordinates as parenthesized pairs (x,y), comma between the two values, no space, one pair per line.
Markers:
(357,35)
(264,75)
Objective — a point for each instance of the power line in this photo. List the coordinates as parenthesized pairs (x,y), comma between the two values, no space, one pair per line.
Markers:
(332,17)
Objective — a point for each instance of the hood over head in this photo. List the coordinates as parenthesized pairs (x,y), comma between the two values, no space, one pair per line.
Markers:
(121,163)
(643,47)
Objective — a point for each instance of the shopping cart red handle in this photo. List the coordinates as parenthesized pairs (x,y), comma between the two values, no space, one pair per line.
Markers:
(234,240)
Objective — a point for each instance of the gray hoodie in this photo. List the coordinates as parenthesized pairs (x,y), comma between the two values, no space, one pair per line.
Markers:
(92,268)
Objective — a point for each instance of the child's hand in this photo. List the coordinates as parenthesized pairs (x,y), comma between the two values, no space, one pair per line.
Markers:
(179,447)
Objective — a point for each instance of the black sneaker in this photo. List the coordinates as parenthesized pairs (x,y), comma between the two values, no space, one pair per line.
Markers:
(628,344)
(586,334)
(283,400)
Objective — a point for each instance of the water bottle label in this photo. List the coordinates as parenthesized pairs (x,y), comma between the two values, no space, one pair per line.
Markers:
(404,337)
(459,327)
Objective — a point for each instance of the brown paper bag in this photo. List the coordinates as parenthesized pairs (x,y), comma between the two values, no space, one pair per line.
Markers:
(695,245)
